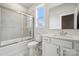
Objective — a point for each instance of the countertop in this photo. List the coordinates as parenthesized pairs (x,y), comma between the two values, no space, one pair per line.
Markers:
(64,37)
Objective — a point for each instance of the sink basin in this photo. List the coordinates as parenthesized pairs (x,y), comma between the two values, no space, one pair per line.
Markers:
(59,36)
(62,36)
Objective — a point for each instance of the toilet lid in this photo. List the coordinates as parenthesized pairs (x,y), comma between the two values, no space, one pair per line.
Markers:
(32,44)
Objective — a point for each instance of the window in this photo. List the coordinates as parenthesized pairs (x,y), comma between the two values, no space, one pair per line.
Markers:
(41,16)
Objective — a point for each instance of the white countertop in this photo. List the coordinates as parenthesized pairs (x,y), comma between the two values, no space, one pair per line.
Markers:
(64,37)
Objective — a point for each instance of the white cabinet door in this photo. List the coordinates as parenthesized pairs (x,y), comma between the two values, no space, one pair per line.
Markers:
(50,49)
(68,52)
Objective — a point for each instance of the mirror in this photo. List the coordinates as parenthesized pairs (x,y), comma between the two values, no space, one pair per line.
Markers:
(68,21)
(78,21)
(62,16)
(78,16)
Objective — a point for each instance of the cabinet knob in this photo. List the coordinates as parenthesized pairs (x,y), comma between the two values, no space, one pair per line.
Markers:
(57,50)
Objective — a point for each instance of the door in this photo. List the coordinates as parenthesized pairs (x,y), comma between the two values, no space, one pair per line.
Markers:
(68,52)
(50,49)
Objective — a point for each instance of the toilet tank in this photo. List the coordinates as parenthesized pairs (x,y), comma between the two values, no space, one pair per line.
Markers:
(38,38)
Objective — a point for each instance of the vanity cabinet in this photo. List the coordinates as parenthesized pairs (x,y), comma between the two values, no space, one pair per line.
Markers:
(53,46)
(48,48)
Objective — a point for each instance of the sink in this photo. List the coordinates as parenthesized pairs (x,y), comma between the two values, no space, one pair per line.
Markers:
(62,36)
(59,36)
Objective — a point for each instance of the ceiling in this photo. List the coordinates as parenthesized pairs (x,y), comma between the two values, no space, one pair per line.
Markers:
(52,5)
(32,5)
(29,5)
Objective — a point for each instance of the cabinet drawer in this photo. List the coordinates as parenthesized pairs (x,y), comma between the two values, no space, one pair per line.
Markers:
(67,44)
(47,39)
(76,45)
(64,43)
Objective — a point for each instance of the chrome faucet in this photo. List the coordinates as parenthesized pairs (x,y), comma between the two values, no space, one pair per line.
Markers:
(63,33)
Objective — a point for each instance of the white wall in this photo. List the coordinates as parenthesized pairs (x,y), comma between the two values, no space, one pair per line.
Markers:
(55,14)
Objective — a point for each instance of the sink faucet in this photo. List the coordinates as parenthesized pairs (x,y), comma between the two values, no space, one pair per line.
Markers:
(63,33)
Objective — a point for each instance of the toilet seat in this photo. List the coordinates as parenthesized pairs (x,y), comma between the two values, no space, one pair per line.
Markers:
(33,44)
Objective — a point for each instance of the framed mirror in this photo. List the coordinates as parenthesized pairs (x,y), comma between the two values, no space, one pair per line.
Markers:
(62,16)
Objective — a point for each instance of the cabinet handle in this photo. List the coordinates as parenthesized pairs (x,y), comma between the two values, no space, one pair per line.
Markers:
(57,50)
(63,52)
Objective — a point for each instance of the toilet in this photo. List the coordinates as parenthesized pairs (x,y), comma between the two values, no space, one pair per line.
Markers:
(33,44)
(34,47)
